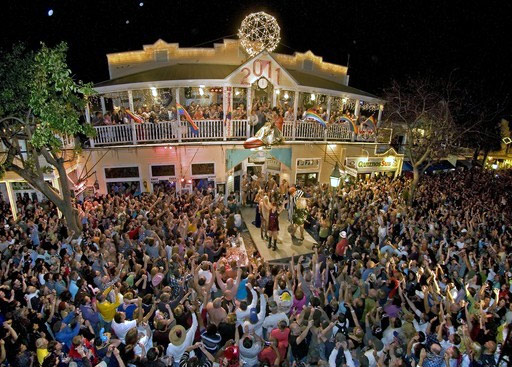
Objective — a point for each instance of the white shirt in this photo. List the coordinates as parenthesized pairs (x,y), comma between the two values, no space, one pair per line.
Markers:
(176,351)
(250,356)
(272,320)
(122,328)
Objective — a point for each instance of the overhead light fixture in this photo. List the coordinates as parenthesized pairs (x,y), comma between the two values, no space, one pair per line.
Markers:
(313,96)
(286,96)
(154,92)
(201,91)
(335,176)
(344,101)
(494,166)
(278,91)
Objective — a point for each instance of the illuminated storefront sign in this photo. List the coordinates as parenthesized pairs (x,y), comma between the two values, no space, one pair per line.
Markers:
(363,164)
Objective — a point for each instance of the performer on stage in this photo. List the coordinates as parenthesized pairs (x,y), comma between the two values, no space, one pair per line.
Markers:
(299,217)
(273,224)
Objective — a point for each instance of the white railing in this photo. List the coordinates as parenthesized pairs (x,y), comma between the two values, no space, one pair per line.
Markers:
(218,130)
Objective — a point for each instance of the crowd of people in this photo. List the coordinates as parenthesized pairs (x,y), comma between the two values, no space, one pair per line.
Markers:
(161,280)
(214,111)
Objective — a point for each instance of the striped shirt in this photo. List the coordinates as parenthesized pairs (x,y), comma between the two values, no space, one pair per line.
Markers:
(211,342)
(186,356)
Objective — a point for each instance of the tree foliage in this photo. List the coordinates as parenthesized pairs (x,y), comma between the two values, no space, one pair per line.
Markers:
(40,110)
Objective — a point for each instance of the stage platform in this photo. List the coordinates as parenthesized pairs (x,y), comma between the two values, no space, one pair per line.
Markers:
(286,245)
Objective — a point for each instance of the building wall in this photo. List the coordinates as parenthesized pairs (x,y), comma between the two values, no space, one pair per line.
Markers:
(184,156)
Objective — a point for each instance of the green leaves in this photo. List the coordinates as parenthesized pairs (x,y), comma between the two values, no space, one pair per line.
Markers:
(39,88)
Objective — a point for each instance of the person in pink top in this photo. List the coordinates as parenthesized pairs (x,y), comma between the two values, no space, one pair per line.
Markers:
(281,334)
(299,301)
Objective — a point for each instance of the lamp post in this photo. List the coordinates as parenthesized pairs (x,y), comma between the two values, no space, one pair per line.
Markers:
(335,176)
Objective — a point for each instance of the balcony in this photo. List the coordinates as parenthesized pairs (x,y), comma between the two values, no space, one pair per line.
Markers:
(217,130)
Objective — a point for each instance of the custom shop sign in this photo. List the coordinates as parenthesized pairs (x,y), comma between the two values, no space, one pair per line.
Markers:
(308,164)
(363,164)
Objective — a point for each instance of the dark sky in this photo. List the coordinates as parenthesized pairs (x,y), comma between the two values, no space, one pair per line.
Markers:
(386,39)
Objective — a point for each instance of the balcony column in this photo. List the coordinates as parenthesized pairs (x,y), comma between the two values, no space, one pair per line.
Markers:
(357,109)
(133,128)
(12,200)
(249,111)
(178,129)
(88,120)
(329,102)
(226,100)
(295,117)
(103,108)
(379,116)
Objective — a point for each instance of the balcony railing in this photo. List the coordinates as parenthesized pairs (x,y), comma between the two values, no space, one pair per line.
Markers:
(218,130)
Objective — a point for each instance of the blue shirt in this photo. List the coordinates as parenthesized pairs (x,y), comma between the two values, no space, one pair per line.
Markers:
(241,294)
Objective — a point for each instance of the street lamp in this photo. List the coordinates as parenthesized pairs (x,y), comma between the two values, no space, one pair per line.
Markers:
(335,176)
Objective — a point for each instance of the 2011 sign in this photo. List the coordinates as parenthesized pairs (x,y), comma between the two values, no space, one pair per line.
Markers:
(261,68)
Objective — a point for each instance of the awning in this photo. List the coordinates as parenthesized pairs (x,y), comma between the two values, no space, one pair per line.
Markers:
(465,163)
(443,165)
(407,166)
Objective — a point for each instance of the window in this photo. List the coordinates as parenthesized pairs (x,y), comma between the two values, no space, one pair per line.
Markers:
(121,172)
(164,170)
(161,56)
(307,179)
(203,169)
(307,65)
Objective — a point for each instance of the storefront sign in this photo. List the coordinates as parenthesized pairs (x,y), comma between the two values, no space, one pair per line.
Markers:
(362,164)
(308,164)
(273,164)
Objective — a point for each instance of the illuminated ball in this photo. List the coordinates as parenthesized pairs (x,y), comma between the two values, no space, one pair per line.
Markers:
(258,32)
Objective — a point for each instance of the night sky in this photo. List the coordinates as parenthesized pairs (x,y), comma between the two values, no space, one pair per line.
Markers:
(385,39)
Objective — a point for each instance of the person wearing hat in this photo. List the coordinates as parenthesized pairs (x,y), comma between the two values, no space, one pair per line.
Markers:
(255,320)
(180,339)
(341,246)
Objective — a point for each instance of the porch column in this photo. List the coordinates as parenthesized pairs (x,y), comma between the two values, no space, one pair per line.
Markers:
(88,111)
(295,117)
(178,129)
(357,108)
(249,112)
(134,130)
(12,200)
(226,100)
(103,108)
(329,102)
(379,117)
(88,120)
(130,101)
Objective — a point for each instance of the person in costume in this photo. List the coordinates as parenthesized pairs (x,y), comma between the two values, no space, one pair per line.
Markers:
(299,217)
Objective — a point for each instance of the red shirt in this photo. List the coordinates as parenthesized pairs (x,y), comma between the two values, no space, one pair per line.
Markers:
(341,247)
(268,355)
(282,340)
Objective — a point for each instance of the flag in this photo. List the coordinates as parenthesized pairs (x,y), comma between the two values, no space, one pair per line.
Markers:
(370,121)
(227,121)
(183,112)
(310,114)
(134,117)
(351,123)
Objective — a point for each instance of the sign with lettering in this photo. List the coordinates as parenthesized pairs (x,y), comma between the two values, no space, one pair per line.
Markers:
(363,164)
(262,67)
(311,164)
(273,164)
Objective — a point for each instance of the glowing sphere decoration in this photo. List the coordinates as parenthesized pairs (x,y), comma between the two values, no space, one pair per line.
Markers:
(258,32)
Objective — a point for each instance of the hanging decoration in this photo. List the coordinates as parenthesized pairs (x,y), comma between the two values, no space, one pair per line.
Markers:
(183,112)
(310,114)
(258,32)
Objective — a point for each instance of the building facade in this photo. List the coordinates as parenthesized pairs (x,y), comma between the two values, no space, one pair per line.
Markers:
(144,140)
